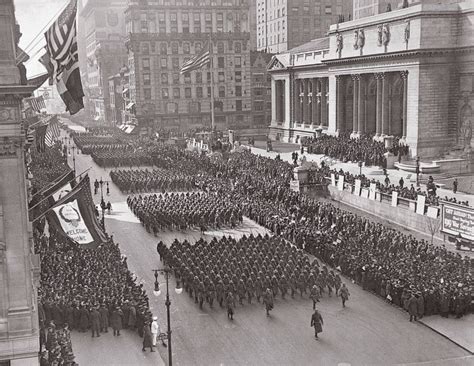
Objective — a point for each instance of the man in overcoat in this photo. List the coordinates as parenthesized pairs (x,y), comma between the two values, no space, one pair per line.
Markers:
(317,322)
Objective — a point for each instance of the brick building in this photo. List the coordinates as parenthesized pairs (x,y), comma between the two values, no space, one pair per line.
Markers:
(102,33)
(162,35)
(408,73)
(285,24)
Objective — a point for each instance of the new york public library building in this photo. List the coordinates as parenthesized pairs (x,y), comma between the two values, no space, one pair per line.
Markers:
(406,73)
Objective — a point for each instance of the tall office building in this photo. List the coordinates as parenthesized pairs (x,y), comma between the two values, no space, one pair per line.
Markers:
(162,35)
(102,33)
(285,24)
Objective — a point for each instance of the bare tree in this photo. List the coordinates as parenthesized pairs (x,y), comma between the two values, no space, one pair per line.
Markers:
(433,226)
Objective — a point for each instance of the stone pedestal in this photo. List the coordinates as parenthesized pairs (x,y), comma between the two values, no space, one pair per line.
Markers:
(391,159)
(300,174)
(388,140)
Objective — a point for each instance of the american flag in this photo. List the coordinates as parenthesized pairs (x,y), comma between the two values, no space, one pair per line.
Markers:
(36,103)
(200,60)
(61,40)
(61,45)
(52,132)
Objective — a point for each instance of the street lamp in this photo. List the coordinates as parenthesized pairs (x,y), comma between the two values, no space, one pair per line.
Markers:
(73,148)
(102,202)
(360,168)
(166,272)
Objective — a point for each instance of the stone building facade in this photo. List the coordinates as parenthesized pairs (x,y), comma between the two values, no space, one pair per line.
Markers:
(103,32)
(283,25)
(260,90)
(19,267)
(408,72)
(162,35)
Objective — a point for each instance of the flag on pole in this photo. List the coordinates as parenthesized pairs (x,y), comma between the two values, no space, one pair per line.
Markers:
(52,132)
(61,44)
(200,60)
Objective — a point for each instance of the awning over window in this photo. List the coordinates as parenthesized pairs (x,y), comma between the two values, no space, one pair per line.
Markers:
(130,106)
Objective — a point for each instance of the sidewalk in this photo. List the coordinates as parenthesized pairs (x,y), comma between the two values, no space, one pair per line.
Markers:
(109,350)
(459,331)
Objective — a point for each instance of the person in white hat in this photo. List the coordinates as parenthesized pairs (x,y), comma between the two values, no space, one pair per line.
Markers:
(155,332)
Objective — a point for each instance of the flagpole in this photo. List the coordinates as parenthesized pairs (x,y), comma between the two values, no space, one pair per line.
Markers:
(212,81)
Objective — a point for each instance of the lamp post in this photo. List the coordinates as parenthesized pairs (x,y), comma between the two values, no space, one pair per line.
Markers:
(360,168)
(166,272)
(73,148)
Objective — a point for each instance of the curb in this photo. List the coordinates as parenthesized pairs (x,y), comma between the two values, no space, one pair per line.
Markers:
(445,336)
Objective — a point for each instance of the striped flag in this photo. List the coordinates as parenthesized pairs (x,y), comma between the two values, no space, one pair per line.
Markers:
(37,104)
(40,136)
(200,60)
(61,45)
(52,132)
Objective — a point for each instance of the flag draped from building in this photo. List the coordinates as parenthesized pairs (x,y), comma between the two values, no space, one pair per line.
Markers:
(61,45)
(42,201)
(52,132)
(36,103)
(40,134)
(74,216)
(200,60)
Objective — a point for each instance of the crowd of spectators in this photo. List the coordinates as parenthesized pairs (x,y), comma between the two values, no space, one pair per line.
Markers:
(345,148)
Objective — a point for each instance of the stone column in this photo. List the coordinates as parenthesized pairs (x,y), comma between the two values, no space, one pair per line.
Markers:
(339,103)
(378,115)
(355,104)
(324,102)
(404,75)
(305,101)
(385,105)
(275,101)
(314,104)
(361,107)
(281,95)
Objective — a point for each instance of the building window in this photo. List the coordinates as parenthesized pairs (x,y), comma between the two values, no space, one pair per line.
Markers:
(185,22)
(146,79)
(174,48)
(222,92)
(198,77)
(238,76)
(146,64)
(258,106)
(238,91)
(172,108)
(194,107)
(187,92)
(175,78)
(238,105)
(208,24)
(220,48)
(163,48)
(221,77)
(164,78)
(187,78)
(186,48)
(165,93)
(238,61)
(220,22)
(145,48)
(164,62)
(197,23)
(147,94)
(238,47)
(199,92)
(220,62)
(328,9)
(176,93)
(175,63)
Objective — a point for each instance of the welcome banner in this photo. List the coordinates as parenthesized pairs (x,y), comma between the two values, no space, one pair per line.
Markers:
(72,222)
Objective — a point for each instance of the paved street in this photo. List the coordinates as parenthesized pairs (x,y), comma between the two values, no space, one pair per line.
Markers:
(368,331)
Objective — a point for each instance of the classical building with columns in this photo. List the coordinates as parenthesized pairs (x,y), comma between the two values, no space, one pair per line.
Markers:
(406,73)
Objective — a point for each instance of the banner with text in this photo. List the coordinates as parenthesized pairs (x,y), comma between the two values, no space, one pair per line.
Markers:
(457,220)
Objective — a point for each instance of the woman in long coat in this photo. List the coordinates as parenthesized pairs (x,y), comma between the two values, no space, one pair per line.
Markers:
(317,323)
(116,321)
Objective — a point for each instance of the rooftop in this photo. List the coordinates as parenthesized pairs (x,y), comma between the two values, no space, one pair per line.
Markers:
(313,45)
